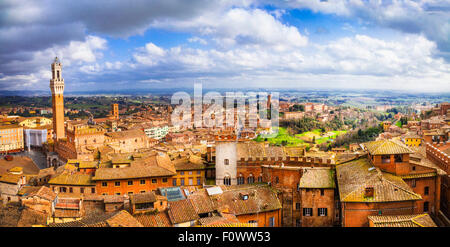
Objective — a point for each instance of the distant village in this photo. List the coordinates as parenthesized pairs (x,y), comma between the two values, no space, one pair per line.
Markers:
(142,170)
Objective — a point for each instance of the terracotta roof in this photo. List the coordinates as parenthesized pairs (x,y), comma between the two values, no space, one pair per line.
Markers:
(10,178)
(160,219)
(113,198)
(126,134)
(191,163)
(182,211)
(260,199)
(116,219)
(387,147)
(43,192)
(134,171)
(320,177)
(66,178)
(202,202)
(415,220)
(123,219)
(355,176)
(30,217)
(218,220)
(146,197)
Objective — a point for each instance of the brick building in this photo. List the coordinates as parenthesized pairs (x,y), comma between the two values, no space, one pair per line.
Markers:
(142,175)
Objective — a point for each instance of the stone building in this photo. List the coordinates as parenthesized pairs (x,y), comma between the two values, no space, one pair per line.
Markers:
(226,163)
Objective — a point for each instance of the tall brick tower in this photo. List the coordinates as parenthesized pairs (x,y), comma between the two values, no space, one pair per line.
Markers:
(115,111)
(57,87)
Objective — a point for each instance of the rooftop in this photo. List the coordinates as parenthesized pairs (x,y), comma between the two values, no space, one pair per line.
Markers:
(415,220)
(382,147)
(320,177)
(355,176)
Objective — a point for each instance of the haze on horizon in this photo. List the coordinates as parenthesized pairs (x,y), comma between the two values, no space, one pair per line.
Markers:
(344,44)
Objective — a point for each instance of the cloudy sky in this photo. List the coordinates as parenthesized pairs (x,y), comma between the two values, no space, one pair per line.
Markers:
(106,44)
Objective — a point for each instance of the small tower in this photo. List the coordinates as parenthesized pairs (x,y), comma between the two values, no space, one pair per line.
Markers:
(226,160)
(115,111)
(57,88)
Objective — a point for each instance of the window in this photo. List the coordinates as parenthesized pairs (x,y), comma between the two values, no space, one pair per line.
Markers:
(191,181)
(199,172)
(272,221)
(250,179)
(181,173)
(62,189)
(164,180)
(427,190)
(413,168)
(130,182)
(277,180)
(142,181)
(322,211)
(413,183)
(398,158)
(118,193)
(385,159)
(226,161)
(199,181)
(227,181)
(104,184)
(174,182)
(142,191)
(154,181)
(260,179)
(426,206)
(307,211)
(240,180)
(297,206)
(130,193)
(190,172)
(182,181)
(81,190)
(116,183)
(70,190)
(322,192)
(93,190)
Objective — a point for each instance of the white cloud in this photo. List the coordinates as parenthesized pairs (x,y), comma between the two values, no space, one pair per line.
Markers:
(239,26)
(410,58)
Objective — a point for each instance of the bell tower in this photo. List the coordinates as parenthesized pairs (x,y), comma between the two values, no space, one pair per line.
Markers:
(57,87)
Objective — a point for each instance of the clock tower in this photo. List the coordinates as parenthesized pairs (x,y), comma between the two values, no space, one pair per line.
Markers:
(57,87)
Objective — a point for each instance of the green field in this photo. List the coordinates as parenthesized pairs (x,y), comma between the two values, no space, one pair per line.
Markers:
(282,136)
(301,139)
(318,136)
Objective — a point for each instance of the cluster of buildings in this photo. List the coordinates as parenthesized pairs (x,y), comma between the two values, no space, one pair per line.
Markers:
(142,171)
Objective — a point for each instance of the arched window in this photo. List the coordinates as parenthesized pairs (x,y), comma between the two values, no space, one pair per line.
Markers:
(227,180)
(240,179)
(260,178)
(251,179)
